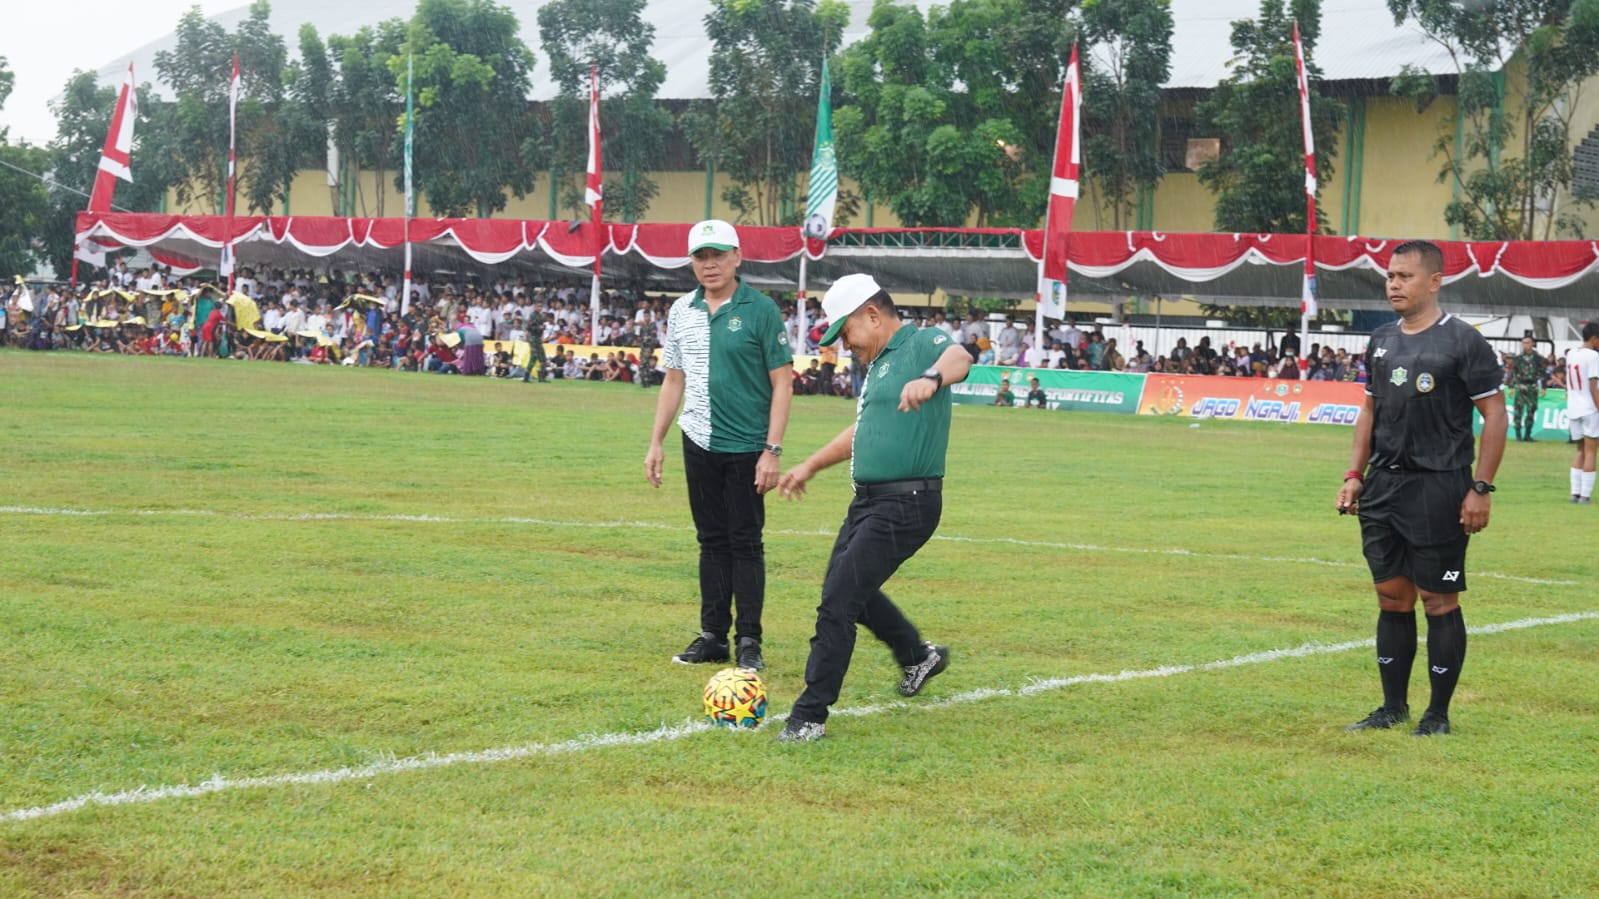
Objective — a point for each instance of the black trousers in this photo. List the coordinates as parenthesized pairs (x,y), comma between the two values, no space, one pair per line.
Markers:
(878,535)
(728,519)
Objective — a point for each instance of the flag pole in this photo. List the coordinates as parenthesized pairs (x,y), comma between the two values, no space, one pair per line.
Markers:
(227,218)
(1307,301)
(821,194)
(410,208)
(1063,190)
(594,196)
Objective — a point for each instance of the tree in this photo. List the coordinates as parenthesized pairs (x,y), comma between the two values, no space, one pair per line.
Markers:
(899,133)
(22,196)
(1120,101)
(1005,55)
(199,69)
(83,117)
(611,35)
(1259,177)
(472,121)
(366,103)
(1512,172)
(766,62)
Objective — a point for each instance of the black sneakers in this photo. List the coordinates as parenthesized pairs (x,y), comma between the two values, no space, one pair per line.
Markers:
(749,654)
(934,663)
(797,731)
(1382,719)
(1431,724)
(707,647)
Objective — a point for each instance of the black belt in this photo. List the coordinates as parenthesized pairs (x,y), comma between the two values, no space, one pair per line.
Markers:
(899,488)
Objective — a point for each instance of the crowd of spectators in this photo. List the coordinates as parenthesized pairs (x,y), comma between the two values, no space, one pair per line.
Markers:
(360,319)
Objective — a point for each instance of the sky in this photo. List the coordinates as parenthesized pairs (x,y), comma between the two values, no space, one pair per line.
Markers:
(43,41)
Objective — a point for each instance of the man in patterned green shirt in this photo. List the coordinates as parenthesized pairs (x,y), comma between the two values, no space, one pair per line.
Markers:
(727,362)
(1526,379)
(896,451)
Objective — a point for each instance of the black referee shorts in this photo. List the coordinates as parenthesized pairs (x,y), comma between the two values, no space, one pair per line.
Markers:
(1410,527)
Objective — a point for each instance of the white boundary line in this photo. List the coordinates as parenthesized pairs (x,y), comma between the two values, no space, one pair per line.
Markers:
(645,525)
(664,733)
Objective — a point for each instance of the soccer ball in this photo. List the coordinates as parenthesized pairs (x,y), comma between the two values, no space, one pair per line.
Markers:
(735,697)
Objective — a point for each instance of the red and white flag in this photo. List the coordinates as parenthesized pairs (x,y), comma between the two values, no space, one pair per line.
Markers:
(226,268)
(1307,301)
(594,187)
(1063,190)
(116,159)
(594,195)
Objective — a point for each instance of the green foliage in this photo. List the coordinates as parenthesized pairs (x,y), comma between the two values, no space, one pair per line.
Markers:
(1259,178)
(22,195)
(942,119)
(759,126)
(472,121)
(1514,175)
(367,104)
(610,35)
(271,139)
(1121,130)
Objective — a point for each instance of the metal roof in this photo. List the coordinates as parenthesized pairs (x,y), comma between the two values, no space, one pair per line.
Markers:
(1359,39)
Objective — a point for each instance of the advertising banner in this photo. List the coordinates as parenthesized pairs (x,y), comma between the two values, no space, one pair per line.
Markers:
(1072,391)
(1252,399)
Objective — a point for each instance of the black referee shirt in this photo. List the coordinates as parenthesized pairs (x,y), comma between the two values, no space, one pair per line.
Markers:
(1424,387)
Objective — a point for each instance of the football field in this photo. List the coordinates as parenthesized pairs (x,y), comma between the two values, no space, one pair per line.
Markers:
(289,630)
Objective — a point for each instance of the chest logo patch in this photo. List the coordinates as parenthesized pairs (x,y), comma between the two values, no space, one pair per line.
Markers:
(1424,382)
(735,324)
(1399,377)
(882,371)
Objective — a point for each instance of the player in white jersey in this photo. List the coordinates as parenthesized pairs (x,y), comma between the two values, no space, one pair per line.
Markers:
(1582,410)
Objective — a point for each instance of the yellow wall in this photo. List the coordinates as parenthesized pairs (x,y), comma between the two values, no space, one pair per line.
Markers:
(1399,191)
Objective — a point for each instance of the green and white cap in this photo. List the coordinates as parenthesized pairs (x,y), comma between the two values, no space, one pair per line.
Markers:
(847,294)
(713,233)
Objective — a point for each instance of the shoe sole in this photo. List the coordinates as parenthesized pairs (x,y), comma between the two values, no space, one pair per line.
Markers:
(682,661)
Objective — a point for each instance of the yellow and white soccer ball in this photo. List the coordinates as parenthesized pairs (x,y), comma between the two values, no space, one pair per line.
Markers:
(735,697)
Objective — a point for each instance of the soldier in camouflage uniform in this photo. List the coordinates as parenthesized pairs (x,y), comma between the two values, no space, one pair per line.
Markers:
(646,349)
(1526,379)
(535,341)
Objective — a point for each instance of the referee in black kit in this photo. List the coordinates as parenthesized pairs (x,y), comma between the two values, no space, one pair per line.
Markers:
(896,453)
(1410,479)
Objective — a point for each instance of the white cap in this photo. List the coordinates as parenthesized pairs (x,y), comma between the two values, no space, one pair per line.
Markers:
(713,233)
(847,294)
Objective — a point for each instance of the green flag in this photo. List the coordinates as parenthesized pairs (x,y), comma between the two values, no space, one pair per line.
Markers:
(822,193)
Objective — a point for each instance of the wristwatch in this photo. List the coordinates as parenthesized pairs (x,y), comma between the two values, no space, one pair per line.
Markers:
(936,375)
(1482,487)
(775,449)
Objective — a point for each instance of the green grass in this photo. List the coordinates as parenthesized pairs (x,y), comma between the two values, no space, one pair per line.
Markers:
(284,607)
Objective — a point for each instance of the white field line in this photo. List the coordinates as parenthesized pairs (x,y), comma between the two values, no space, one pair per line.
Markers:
(645,525)
(219,783)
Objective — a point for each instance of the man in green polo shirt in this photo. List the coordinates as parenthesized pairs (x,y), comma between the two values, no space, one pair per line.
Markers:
(896,453)
(727,361)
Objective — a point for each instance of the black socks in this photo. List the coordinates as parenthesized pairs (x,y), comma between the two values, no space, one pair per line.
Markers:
(1446,652)
(1396,653)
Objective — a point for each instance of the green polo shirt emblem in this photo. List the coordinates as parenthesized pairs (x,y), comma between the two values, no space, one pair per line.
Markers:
(735,324)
